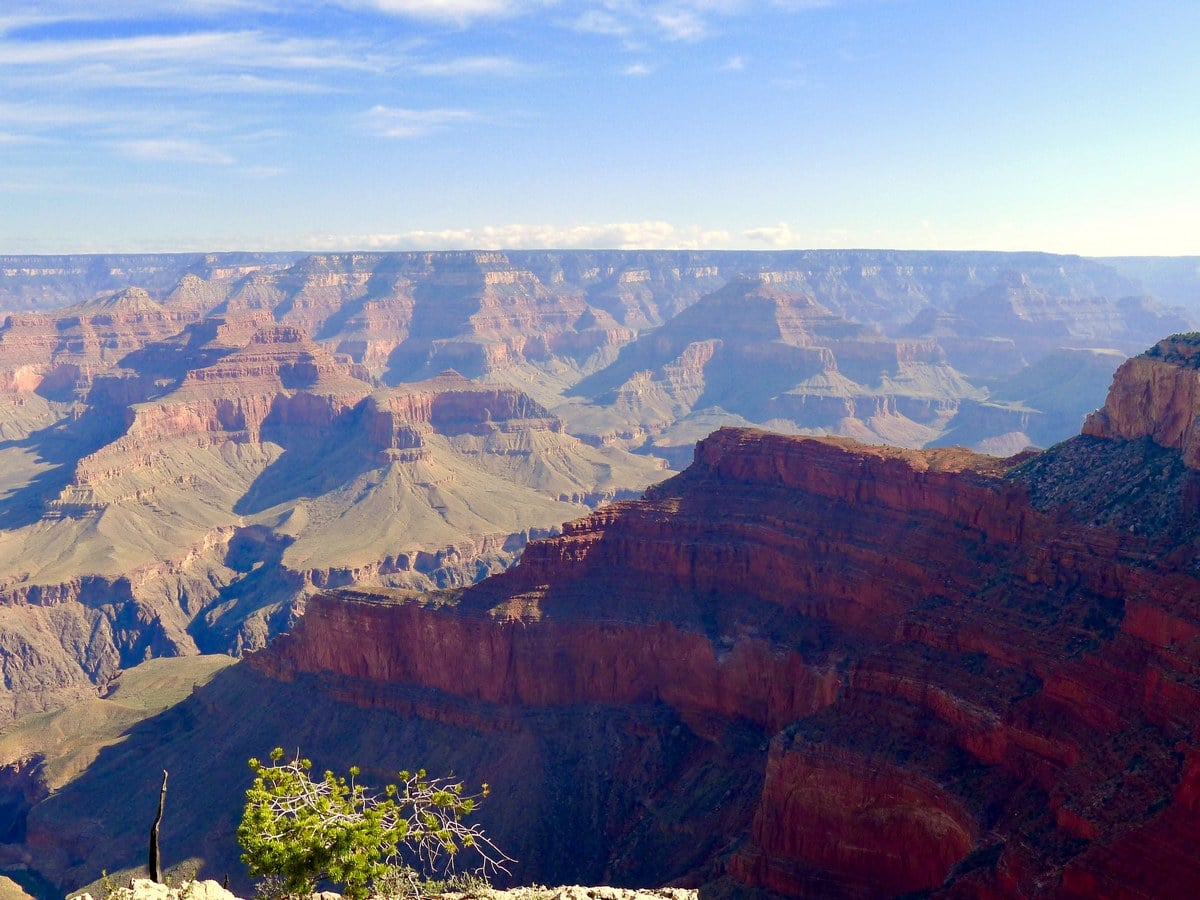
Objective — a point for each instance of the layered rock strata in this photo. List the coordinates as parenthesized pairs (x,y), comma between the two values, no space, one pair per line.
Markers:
(803,666)
(182,466)
(1156,395)
(198,519)
(962,694)
(814,371)
(549,319)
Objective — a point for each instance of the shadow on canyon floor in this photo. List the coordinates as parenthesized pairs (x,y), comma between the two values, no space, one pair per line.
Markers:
(581,794)
(61,445)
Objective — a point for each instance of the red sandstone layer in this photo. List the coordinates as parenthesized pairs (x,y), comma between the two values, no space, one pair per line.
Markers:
(1156,394)
(952,675)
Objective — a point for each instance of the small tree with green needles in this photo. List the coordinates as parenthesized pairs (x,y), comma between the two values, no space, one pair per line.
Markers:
(299,831)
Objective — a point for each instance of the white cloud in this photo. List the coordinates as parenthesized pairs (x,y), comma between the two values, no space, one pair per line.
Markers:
(189,70)
(145,47)
(803,5)
(43,117)
(396,122)
(674,20)
(472,65)
(39,12)
(243,49)
(780,235)
(89,10)
(733,64)
(460,11)
(8,137)
(220,7)
(174,150)
(597,21)
(681,25)
(16,23)
(104,76)
(618,236)
(263,171)
(637,69)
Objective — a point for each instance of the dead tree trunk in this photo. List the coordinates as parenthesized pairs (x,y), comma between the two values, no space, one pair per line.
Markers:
(155,860)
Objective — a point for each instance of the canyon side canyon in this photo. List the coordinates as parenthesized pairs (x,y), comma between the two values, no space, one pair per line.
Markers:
(192,445)
(801,666)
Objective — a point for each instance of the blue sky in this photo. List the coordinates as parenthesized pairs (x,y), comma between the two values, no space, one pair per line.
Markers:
(153,125)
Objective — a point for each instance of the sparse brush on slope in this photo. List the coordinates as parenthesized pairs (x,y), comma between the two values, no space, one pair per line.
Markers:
(297,831)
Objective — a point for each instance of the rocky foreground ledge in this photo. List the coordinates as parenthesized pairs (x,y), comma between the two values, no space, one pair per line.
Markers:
(144,889)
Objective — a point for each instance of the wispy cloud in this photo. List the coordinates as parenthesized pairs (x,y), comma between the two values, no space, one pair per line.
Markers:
(461,11)
(676,19)
(397,122)
(673,20)
(618,235)
(681,24)
(11,23)
(175,150)
(803,5)
(637,69)
(598,21)
(8,137)
(472,65)
(263,171)
(41,117)
(733,64)
(780,235)
(103,76)
(53,11)
(89,10)
(46,52)
(246,49)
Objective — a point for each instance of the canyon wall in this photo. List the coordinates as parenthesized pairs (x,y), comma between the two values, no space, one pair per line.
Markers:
(802,666)
(185,461)
(962,694)
(1156,394)
(242,467)
(552,319)
(171,400)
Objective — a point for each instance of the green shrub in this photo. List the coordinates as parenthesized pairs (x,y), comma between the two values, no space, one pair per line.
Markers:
(297,831)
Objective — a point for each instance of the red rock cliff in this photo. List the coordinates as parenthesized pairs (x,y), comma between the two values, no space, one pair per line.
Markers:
(967,695)
(1156,394)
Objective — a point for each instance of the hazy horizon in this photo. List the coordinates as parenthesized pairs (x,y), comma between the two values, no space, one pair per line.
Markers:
(350,251)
